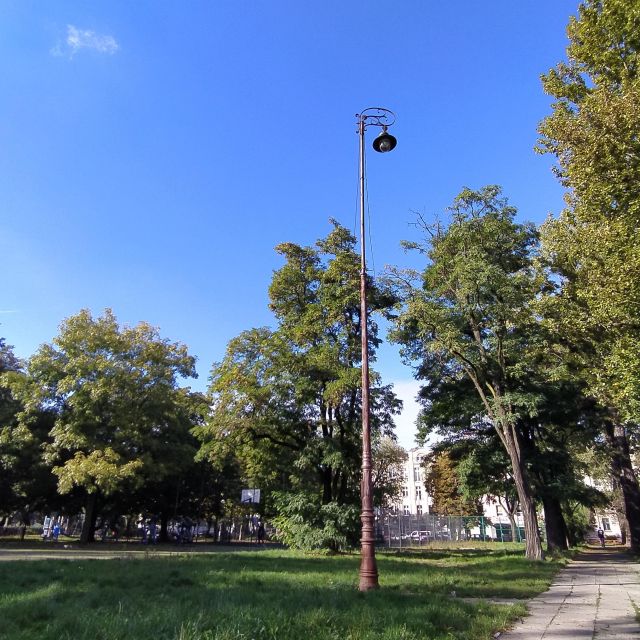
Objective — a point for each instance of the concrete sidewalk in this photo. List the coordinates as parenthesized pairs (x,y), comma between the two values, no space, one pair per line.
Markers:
(593,597)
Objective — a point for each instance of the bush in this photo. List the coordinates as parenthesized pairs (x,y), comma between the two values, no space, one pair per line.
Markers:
(304,523)
(577,518)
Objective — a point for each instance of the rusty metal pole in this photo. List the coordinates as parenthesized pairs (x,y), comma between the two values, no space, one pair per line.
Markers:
(368,566)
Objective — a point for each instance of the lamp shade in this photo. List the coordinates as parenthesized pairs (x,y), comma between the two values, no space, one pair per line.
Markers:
(384,142)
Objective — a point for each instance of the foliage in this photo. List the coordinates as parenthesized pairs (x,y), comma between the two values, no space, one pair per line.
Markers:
(443,483)
(469,317)
(386,477)
(593,246)
(485,470)
(25,481)
(302,522)
(578,519)
(286,401)
(119,416)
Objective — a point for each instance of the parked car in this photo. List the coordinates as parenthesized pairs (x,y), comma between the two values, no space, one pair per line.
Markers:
(420,536)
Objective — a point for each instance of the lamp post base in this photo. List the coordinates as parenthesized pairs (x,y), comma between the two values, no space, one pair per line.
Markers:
(368,565)
(369,578)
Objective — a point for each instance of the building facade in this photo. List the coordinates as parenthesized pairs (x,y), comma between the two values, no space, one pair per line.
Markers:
(414,499)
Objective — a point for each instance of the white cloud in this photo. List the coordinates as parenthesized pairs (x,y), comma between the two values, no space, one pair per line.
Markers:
(78,39)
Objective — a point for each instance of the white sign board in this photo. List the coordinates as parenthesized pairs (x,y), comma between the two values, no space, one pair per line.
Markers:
(250,496)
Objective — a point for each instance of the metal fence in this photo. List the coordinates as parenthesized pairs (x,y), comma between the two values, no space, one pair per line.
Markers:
(397,530)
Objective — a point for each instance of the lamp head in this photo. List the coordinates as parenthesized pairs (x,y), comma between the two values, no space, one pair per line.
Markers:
(384,142)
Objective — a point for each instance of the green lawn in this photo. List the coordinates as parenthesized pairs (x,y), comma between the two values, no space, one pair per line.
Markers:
(266,595)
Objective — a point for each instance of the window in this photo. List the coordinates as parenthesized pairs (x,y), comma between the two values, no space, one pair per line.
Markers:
(606,525)
(406,510)
(418,493)
(498,510)
(417,474)
(405,492)
(419,509)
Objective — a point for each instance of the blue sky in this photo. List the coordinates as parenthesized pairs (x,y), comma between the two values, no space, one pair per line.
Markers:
(152,153)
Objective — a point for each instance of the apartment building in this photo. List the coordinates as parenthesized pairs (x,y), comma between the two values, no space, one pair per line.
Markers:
(414,499)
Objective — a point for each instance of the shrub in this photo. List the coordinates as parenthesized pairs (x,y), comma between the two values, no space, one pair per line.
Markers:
(304,523)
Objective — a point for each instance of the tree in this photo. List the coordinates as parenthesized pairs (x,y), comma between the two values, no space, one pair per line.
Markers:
(286,401)
(443,483)
(485,471)
(386,476)
(469,316)
(116,403)
(25,481)
(594,245)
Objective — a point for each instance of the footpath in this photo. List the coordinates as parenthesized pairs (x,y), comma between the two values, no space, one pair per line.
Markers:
(596,596)
(98,551)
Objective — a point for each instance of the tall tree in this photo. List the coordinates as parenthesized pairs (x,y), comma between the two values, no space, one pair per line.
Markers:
(469,316)
(116,400)
(386,476)
(594,245)
(484,470)
(287,400)
(443,483)
(25,481)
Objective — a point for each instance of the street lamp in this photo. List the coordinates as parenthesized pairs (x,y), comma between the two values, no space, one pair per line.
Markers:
(377,117)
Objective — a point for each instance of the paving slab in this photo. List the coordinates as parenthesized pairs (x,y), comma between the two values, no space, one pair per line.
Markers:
(595,596)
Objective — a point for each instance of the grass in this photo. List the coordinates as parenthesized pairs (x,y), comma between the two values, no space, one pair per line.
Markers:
(267,595)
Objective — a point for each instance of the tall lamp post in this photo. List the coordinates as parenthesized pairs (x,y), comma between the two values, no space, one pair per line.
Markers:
(383,118)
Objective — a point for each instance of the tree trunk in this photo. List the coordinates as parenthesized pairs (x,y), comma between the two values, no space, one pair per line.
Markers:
(216,529)
(90,515)
(510,509)
(515,531)
(164,527)
(326,485)
(625,476)
(533,545)
(554,523)
(624,527)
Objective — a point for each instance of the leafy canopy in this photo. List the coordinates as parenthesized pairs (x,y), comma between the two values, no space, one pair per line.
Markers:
(115,397)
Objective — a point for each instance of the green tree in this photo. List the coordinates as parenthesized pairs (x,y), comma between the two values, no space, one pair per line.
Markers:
(470,316)
(286,401)
(485,470)
(553,435)
(443,483)
(594,245)
(117,404)
(25,481)
(388,457)
(9,407)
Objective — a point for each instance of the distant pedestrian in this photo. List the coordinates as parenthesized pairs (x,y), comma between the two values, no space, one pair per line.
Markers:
(601,537)
(55,532)
(153,530)
(142,528)
(260,531)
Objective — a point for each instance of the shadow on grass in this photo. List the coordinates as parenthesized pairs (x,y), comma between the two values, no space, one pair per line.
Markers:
(260,595)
